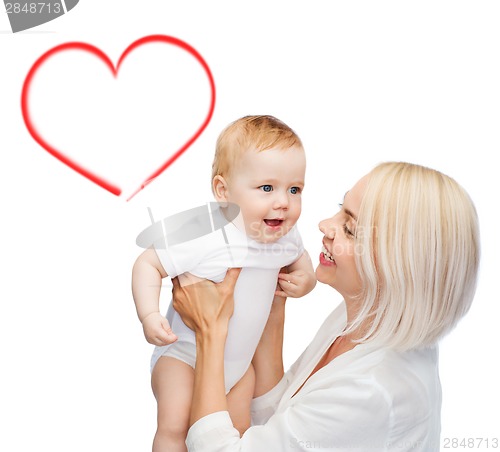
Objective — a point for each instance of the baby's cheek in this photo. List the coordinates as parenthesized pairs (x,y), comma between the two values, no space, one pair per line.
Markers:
(298,213)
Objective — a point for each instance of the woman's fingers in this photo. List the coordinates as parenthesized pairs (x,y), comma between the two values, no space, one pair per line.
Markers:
(202,302)
(231,278)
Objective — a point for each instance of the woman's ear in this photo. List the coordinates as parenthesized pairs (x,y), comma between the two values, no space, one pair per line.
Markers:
(220,188)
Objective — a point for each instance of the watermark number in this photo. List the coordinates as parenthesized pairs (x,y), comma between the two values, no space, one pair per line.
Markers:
(470,443)
(33,8)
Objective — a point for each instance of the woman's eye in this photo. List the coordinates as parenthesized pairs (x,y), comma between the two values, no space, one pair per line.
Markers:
(294,190)
(266,188)
(348,231)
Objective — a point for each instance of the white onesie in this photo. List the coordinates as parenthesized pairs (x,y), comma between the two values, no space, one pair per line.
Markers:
(209,257)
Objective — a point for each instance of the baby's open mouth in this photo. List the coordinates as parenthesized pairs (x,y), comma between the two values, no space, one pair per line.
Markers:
(273,223)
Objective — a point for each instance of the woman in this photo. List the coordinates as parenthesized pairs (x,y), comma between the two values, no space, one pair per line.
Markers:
(403,251)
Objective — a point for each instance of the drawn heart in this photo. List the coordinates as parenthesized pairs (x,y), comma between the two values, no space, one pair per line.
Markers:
(24,15)
(63,155)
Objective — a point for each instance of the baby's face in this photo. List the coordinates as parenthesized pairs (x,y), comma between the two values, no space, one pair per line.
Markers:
(267,186)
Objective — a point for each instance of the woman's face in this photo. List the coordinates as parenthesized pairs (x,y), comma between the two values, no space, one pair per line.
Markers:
(337,266)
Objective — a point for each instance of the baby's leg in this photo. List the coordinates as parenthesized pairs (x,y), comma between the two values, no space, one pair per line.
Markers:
(172,381)
(239,399)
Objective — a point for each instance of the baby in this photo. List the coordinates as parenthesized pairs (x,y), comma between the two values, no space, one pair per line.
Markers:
(259,166)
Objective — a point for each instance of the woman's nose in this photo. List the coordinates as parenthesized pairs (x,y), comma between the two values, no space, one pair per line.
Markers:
(327,227)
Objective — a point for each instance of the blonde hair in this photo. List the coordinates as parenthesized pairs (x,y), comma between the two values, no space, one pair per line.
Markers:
(418,255)
(257,133)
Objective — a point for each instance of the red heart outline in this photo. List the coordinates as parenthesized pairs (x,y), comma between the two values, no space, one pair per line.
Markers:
(114,70)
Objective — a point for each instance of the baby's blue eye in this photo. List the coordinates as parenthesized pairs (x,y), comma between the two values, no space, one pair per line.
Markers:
(294,190)
(266,188)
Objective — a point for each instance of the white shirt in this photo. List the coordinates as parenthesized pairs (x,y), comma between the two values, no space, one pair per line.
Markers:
(367,399)
(209,257)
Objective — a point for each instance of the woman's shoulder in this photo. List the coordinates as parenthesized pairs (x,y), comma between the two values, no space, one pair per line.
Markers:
(408,380)
(394,369)
(398,375)
(405,380)
(402,386)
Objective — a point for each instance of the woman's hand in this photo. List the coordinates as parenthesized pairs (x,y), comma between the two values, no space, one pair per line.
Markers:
(206,308)
(205,305)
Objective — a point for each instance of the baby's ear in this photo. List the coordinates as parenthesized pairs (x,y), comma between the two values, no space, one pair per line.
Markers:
(220,189)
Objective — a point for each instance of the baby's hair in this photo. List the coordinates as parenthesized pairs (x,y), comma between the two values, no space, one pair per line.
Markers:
(257,133)
(418,254)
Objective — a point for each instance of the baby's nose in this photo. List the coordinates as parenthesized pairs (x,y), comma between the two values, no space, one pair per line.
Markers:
(281,201)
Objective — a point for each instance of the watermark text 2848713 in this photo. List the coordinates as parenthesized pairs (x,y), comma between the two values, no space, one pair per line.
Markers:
(33,8)
(28,14)
(470,443)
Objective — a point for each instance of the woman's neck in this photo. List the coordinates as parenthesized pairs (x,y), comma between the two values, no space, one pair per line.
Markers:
(353,308)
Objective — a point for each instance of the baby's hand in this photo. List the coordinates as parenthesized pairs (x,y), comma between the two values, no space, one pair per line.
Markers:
(295,284)
(157,329)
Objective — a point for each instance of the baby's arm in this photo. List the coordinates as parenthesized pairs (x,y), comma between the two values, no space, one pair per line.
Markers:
(147,274)
(299,280)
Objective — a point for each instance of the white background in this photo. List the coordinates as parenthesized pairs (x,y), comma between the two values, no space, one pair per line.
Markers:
(361,82)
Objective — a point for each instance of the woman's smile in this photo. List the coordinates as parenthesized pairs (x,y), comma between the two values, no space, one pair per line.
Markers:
(325,258)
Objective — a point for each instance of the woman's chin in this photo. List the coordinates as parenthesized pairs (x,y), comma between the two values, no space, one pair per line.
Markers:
(326,278)
(321,276)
